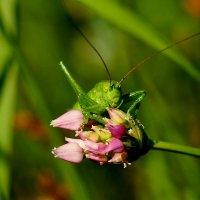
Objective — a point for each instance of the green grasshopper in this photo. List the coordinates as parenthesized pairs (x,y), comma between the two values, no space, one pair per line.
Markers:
(108,94)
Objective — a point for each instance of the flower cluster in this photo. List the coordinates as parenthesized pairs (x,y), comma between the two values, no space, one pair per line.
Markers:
(118,140)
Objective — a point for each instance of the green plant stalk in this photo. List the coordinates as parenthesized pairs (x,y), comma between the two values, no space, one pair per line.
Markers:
(175,148)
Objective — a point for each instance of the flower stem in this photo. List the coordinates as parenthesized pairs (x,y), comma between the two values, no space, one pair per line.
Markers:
(175,148)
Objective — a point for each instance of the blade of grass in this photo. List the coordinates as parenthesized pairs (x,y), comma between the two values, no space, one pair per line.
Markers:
(7,107)
(130,22)
(4,71)
(8,16)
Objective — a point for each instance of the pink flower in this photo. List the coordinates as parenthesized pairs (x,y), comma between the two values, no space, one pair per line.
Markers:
(115,146)
(71,120)
(71,152)
(88,145)
(98,142)
(92,150)
(117,131)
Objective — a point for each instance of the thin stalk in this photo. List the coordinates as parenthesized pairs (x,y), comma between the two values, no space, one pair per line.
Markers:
(176,148)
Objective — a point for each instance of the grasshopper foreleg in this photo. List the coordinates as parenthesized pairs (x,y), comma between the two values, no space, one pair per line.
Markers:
(133,99)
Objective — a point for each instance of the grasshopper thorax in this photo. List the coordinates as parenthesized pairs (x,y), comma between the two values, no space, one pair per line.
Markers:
(106,93)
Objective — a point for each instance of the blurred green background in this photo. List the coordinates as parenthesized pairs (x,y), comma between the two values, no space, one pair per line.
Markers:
(36,35)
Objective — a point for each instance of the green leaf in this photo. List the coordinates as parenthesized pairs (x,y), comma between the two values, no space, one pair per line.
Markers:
(5,68)
(7,107)
(8,16)
(130,22)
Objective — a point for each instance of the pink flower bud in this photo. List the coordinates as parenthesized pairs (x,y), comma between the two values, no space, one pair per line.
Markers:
(103,133)
(88,135)
(71,120)
(97,148)
(70,152)
(115,146)
(119,157)
(87,145)
(117,116)
(117,131)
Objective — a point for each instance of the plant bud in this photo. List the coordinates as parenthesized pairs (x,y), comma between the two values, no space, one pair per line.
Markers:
(117,116)
(70,120)
(103,133)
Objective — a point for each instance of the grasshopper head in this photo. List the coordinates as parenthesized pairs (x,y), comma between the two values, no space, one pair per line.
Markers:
(113,93)
(106,94)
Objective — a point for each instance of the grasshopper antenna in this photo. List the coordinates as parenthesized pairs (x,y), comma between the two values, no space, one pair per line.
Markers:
(93,47)
(154,55)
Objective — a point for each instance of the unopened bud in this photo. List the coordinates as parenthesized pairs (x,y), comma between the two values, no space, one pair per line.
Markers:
(102,132)
(90,135)
(119,157)
(117,116)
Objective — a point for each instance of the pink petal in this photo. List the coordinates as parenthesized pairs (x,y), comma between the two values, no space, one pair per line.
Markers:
(117,130)
(71,152)
(80,134)
(100,158)
(71,120)
(95,147)
(88,145)
(115,146)
(77,141)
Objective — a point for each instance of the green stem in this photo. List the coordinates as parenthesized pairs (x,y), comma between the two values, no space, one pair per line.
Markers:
(175,148)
